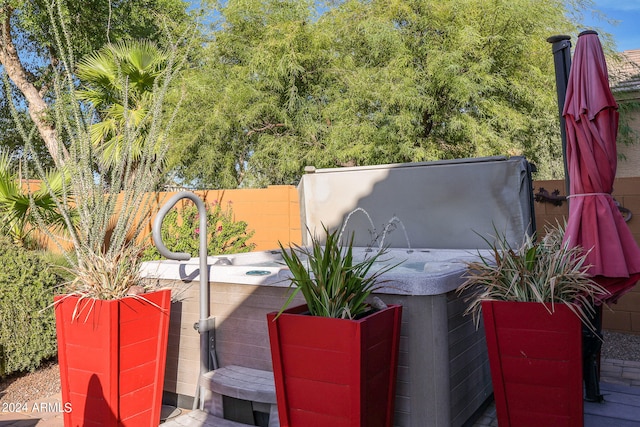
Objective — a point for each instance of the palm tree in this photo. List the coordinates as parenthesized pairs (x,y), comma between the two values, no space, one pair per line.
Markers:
(20,210)
(118,81)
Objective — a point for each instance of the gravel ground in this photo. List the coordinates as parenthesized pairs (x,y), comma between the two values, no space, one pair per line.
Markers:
(31,386)
(45,381)
(621,346)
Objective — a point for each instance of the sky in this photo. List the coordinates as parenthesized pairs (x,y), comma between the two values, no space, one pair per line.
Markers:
(627,14)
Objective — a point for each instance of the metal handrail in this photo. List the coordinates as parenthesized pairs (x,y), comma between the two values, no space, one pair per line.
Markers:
(202,325)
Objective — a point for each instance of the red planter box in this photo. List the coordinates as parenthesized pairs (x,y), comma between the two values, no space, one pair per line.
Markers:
(335,372)
(112,359)
(536,363)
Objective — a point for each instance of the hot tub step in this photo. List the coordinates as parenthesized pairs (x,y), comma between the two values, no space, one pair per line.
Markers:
(239,382)
(200,419)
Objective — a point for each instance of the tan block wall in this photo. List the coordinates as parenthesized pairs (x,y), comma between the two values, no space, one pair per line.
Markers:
(625,315)
(272,212)
(629,164)
(629,155)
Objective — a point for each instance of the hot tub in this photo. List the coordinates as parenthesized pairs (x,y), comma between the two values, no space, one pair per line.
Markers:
(450,206)
(443,375)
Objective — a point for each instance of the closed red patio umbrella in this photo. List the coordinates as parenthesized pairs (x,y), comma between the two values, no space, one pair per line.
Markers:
(595,223)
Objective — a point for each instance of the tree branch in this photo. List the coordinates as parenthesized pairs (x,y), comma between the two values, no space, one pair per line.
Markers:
(266,127)
(38,108)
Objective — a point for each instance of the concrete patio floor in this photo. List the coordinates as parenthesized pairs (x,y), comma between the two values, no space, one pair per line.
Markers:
(619,383)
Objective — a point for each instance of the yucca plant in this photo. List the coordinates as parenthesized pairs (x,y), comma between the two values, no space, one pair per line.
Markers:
(549,271)
(332,283)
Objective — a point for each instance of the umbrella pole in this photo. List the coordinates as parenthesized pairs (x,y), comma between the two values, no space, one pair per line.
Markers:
(591,345)
(561,48)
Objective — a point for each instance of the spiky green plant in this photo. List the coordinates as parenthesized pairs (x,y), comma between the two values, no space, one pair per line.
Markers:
(332,283)
(20,208)
(549,271)
(112,205)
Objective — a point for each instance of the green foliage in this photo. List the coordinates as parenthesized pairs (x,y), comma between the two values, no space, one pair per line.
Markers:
(118,82)
(548,271)
(181,232)
(627,133)
(332,283)
(20,210)
(94,22)
(10,140)
(285,84)
(27,327)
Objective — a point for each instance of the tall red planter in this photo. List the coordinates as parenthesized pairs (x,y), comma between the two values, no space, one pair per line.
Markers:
(335,372)
(536,363)
(112,359)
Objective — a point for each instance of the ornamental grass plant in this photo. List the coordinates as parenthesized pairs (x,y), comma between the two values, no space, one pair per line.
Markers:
(331,281)
(549,271)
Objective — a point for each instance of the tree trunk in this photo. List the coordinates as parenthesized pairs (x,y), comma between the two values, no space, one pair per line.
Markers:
(38,108)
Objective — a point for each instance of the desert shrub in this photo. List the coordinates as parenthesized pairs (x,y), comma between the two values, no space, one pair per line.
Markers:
(181,232)
(27,326)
